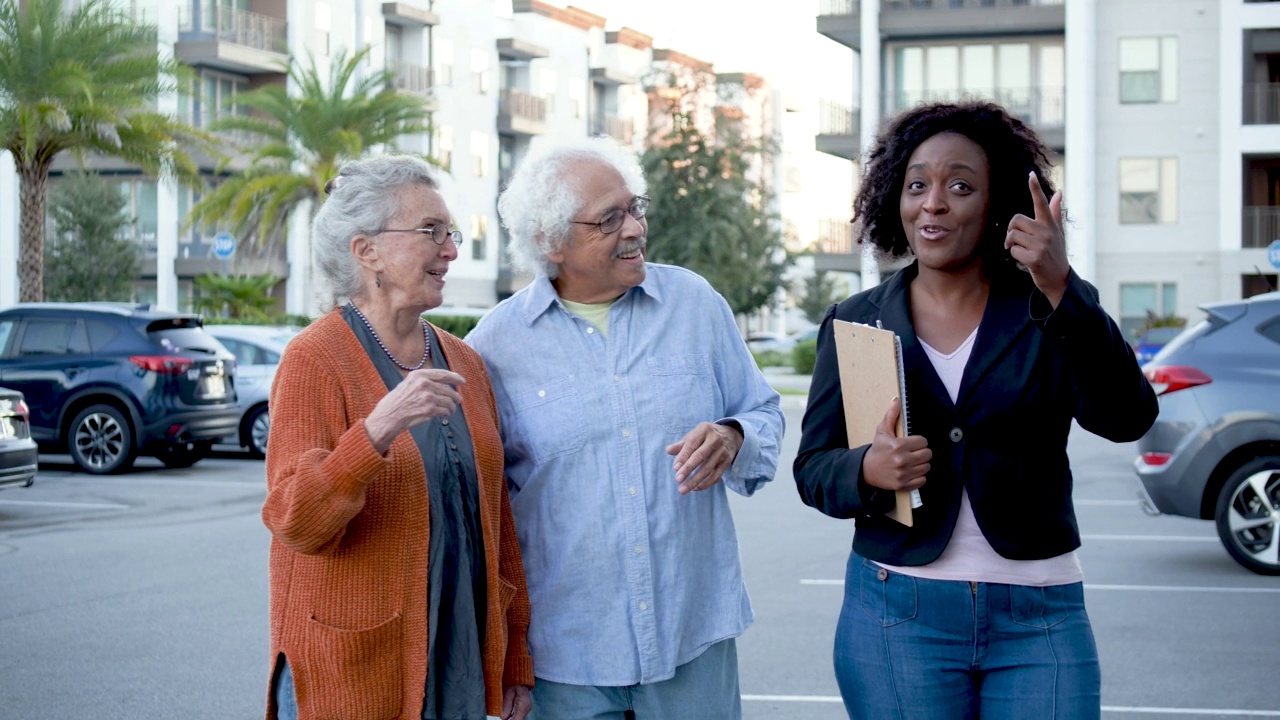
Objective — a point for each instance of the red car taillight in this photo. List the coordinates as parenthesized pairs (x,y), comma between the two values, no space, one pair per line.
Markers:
(163,364)
(1156,458)
(1171,378)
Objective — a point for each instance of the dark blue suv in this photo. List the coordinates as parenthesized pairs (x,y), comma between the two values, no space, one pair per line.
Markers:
(106,382)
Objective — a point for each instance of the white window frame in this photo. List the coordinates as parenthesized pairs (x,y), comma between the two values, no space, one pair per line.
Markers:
(1153,202)
(1145,83)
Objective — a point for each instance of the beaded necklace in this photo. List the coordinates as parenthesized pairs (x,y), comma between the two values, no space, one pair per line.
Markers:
(426,342)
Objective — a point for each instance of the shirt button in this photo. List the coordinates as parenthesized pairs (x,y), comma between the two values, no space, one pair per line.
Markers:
(639,550)
(956,434)
(451,445)
(644,605)
(617,378)
(633,491)
(591,331)
(626,432)
(542,393)
(444,422)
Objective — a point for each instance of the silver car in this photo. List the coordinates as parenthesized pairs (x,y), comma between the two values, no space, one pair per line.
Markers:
(257,349)
(1214,451)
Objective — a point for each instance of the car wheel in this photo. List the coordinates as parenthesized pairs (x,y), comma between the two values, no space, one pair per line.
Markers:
(1248,515)
(184,455)
(101,441)
(256,428)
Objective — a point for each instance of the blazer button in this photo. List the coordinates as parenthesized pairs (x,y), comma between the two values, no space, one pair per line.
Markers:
(882,574)
(956,434)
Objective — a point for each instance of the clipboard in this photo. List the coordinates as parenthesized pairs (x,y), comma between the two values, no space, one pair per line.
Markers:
(871,376)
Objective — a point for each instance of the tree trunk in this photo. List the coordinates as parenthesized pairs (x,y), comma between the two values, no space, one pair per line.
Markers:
(34,191)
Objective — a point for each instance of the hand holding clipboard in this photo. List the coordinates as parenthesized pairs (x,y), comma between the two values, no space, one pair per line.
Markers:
(873,383)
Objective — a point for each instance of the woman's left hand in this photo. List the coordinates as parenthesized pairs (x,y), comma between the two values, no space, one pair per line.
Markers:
(516,702)
(1039,243)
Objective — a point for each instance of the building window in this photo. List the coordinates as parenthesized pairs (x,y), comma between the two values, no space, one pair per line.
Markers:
(1149,70)
(1026,78)
(1141,302)
(480,68)
(1256,284)
(480,153)
(1148,190)
(218,96)
(479,233)
(444,62)
(444,147)
(547,84)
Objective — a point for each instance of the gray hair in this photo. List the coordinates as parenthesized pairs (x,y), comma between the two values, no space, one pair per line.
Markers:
(539,203)
(362,200)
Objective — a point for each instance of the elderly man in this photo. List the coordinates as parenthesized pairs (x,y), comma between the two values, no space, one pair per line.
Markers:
(626,396)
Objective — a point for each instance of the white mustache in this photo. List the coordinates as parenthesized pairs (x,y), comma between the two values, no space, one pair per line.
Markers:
(631,247)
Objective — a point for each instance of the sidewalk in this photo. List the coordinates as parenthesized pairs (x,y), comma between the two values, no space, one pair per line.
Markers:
(794,388)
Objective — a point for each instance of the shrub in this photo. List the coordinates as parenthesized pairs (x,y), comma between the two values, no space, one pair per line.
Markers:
(458,325)
(804,356)
(771,358)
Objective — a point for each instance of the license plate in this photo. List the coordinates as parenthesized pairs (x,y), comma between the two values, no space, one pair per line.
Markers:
(213,386)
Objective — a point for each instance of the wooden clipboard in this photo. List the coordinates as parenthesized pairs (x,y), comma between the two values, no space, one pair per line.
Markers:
(871,376)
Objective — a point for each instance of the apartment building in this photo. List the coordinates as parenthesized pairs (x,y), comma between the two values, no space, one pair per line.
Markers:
(1165,115)
(500,76)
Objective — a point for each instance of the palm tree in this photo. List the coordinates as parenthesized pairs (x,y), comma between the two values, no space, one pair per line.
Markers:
(83,81)
(297,142)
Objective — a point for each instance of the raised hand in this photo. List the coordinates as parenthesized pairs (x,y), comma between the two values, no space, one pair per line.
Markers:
(894,463)
(1039,243)
(420,396)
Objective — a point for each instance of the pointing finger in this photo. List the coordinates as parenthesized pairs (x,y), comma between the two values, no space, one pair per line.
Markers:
(1038,199)
(1055,208)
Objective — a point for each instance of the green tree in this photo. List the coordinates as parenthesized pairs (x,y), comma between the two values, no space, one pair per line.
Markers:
(242,298)
(87,258)
(818,293)
(708,213)
(84,81)
(295,143)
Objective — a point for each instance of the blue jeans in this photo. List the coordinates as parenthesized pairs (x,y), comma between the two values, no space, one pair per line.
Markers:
(286,699)
(914,649)
(705,688)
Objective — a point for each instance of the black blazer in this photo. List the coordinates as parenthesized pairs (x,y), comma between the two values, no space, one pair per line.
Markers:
(1031,371)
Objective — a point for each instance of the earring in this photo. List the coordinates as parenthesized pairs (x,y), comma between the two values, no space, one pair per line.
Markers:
(377,279)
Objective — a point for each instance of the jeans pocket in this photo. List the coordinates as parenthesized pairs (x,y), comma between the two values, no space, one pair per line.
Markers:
(355,673)
(1043,607)
(888,598)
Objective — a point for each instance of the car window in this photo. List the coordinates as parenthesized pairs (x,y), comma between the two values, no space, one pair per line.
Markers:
(100,333)
(245,353)
(53,336)
(6,331)
(269,357)
(182,334)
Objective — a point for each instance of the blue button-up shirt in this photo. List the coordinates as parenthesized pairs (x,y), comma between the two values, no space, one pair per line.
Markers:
(628,579)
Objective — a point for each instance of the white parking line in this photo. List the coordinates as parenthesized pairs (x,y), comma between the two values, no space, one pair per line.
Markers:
(1124,588)
(50,503)
(1105,708)
(1153,538)
(169,482)
(1116,503)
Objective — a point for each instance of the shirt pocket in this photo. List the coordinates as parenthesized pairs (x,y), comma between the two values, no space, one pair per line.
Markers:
(685,388)
(548,420)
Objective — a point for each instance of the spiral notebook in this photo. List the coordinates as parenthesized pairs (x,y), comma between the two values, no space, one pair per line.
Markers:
(871,376)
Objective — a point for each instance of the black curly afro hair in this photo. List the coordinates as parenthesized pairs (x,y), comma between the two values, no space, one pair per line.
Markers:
(1012,151)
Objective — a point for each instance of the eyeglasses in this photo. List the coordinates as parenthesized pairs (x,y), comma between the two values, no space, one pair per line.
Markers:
(437,233)
(637,208)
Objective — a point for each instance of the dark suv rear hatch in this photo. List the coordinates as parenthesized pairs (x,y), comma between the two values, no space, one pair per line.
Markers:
(197,363)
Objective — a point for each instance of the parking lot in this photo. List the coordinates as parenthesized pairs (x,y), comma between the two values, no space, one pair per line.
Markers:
(144,596)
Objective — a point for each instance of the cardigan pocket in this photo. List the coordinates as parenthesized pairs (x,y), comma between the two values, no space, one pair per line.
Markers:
(352,673)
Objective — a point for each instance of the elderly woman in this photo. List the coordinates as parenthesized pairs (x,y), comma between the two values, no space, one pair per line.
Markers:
(397,589)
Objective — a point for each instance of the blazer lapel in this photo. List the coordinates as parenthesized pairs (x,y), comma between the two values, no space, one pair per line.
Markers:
(1004,319)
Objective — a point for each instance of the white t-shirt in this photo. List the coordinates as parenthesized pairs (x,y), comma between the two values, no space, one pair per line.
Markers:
(968,556)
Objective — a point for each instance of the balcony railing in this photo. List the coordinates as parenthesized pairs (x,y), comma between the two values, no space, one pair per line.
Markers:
(518,103)
(241,27)
(1040,107)
(614,126)
(961,4)
(411,78)
(835,237)
(1261,103)
(835,119)
(837,7)
(1261,226)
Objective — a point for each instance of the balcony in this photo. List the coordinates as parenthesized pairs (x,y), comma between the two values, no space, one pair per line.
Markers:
(1042,108)
(520,113)
(415,79)
(1261,103)
(1261,226)
(951,18)
(619,129)
(228,39)
(407,16)
(836,249)
(839,130)
(840,21)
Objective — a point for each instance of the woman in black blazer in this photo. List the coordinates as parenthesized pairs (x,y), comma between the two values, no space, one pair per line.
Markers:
(977,609)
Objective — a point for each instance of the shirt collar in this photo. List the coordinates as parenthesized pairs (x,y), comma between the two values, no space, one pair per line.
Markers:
(541,295)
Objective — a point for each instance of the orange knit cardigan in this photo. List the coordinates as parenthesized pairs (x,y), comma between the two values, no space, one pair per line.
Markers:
(349,531)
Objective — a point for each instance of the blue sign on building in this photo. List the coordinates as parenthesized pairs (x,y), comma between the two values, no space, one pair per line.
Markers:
(1273,254)
(224,245)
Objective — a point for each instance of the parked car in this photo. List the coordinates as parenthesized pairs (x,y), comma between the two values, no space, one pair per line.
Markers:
(106,382)
(18,452)
(257,349)
(768,341)
(1152,340)
(1214,451)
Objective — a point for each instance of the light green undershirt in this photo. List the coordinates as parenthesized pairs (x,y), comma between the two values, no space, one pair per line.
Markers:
(595,313)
